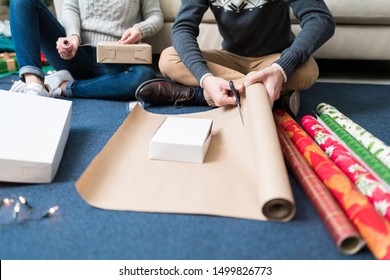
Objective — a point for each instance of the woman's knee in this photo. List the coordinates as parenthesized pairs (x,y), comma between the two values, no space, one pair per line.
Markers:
(18,5)
(14,4)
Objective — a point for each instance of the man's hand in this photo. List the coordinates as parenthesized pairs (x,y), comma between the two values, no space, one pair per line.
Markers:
(219,90)
(271,77)
(132,35)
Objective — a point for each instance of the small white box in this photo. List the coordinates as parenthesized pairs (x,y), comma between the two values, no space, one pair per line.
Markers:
(181,139)
(34,131)
(113,52)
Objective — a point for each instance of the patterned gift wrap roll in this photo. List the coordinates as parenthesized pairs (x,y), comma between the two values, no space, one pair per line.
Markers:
(373,162)
(343,233)
(373,227)
(376,146)
(377,193)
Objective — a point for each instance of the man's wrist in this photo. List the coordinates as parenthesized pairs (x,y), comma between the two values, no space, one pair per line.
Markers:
(281,70)
(203,77)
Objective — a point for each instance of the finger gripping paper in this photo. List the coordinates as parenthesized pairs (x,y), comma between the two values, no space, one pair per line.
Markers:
(243,174)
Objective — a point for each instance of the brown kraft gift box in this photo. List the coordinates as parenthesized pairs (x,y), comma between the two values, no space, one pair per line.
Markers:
(113,52)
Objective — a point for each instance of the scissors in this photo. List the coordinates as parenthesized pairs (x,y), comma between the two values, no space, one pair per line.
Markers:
(237,97)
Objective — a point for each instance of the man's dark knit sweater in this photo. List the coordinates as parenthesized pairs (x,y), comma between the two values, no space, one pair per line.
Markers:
(254,28)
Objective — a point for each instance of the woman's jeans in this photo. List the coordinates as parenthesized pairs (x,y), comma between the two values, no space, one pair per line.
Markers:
(34,28)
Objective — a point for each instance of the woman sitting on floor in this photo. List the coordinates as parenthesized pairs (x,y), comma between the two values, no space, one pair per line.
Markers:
(85,23)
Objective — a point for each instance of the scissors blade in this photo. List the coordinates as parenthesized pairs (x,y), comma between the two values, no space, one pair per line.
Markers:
(239,110)
(237,97)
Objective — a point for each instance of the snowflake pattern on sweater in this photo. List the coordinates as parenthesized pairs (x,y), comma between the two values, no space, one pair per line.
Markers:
(239,5)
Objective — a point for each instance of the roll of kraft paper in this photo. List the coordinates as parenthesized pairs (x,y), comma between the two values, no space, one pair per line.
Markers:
(376,146)
(377,193)
(348,241)
(243,174)
(373,227)
(373,162)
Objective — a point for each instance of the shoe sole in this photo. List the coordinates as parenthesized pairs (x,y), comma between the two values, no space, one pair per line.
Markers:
(290,103)
(294,103)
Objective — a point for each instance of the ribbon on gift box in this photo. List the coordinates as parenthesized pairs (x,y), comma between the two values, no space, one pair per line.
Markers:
(377,193)
(373,227)
(343,233)
(8,62)
(376,146)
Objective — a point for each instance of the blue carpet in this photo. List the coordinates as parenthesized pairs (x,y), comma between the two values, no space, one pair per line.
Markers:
(79,231)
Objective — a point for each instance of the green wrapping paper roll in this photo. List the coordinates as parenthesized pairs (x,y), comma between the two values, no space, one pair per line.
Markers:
(373,144)
(373,162)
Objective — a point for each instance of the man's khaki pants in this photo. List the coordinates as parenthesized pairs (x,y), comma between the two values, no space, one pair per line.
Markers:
(234,67)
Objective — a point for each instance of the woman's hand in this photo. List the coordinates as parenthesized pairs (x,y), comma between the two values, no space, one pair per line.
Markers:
(67,46)
(132,35)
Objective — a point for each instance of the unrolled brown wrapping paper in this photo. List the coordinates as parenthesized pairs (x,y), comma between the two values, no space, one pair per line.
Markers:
(243,176)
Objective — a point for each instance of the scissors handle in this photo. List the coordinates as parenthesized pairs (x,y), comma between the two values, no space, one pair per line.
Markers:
(237,96)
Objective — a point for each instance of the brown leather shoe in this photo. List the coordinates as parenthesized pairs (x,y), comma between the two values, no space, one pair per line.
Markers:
(164,92)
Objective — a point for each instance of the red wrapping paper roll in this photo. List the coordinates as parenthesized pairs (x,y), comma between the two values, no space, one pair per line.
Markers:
(373,227)
(343,233)
(367,183)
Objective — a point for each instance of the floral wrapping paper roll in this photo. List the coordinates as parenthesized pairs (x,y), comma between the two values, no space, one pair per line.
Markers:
(376,146)
(373,227)
(340,228)
(377,193)
(372,161)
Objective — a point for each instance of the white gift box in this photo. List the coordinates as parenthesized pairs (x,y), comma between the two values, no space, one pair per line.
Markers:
(181,139)
(33,134)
